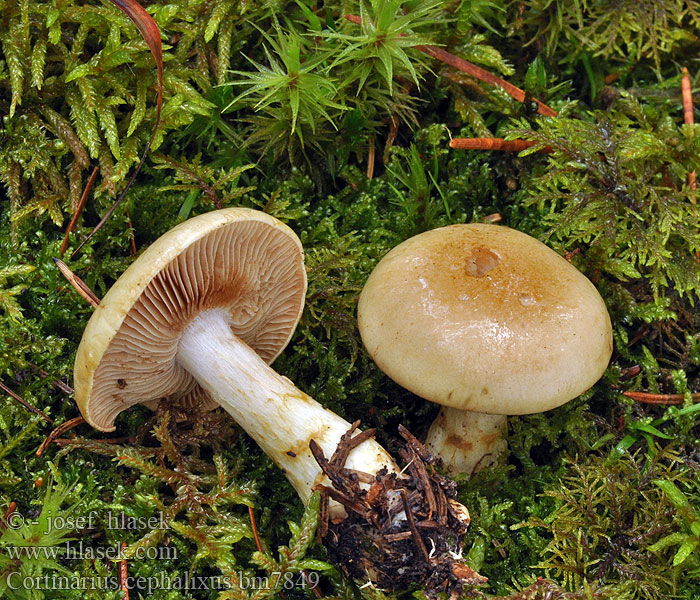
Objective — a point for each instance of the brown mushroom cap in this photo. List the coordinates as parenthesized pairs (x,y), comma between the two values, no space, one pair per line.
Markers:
(485,318)
(239,259)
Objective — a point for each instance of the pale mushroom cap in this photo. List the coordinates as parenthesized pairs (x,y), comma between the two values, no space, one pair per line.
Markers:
(237,258)
(485,318)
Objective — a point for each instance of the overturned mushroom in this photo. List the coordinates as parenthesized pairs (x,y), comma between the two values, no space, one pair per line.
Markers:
(199,315)
(486,321)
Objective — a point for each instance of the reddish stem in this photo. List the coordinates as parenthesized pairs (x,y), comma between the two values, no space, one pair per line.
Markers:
(78,210)
(80,286)
(124,575)
(493,144)
(58,431)
(132,238)
(391,137)
(254,527)
(8,513)
(370,160)
(688,118)
(648,398)
(687,97)
(58,384)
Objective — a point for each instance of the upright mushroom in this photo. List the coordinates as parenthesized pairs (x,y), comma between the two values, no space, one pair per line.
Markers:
(486,321)
(199,315)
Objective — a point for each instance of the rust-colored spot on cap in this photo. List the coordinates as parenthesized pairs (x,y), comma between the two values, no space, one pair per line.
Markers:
(481,261)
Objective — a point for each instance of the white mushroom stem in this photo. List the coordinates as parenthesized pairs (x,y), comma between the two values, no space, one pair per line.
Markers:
(274,412)
(467,441)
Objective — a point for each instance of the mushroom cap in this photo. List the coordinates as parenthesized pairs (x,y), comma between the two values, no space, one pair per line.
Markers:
(484,318)
(242,260)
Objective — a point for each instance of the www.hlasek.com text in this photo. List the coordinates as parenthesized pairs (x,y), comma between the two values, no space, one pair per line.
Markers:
(71,550)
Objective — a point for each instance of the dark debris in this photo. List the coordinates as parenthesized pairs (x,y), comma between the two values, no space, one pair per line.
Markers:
(400,531)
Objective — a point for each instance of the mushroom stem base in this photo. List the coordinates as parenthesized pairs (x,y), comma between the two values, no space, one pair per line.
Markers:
(415,540)
(467,441)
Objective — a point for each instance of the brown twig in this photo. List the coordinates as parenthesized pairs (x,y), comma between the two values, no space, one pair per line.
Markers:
(568,256)
(417,470)
(493,144)
(413,443)
(79,285)
(314,587)
(348,443)
(485,76)
(370,159)
(57,383)
(323,517)
(629,372)
(499,547)
(62,428)
(391,137)
(124,575)
(353,504)
(416,450)
(640,334)
(477,72)
(78,210)
(648,398)
(687,97)
(412,526)
(325,466)
(361,476)
(442,503)
(24,403)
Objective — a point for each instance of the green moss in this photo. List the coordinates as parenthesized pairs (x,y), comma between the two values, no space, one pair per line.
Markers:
(608,518)
(616,183)
(598,496)
(628,31)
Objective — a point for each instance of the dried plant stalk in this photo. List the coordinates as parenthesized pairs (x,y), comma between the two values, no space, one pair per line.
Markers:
(79,285)
(493,144)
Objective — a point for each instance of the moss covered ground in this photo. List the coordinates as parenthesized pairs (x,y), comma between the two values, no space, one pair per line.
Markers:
(341,128)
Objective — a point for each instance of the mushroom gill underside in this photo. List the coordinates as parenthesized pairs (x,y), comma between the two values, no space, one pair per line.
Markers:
(218,270)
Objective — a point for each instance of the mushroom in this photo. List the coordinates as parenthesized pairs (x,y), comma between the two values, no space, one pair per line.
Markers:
(200,314)
(486,321)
